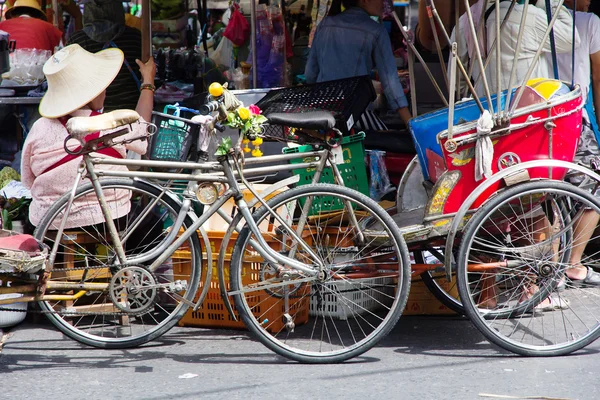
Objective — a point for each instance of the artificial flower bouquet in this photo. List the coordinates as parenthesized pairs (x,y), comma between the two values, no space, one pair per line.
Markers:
(249,121)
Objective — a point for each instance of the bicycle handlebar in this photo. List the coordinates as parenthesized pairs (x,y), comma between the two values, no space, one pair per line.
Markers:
(209,107)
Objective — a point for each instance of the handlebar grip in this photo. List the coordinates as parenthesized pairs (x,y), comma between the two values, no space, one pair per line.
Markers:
(209,107)
(219,127)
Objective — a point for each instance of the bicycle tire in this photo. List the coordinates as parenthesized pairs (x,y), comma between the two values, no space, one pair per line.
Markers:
(517,324)
(364,284)
(102,329)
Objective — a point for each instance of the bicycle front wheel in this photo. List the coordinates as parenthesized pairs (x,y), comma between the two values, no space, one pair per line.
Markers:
(130,304)
(355,287)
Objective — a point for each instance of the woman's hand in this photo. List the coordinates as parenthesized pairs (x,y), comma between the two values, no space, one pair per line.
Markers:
(148,70)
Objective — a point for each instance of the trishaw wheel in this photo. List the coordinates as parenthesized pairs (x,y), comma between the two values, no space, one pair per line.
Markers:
(512,270)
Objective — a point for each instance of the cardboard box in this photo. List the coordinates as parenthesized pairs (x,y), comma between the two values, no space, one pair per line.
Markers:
(422,302)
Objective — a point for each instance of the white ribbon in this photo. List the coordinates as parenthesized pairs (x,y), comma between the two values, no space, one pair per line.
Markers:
(484,149)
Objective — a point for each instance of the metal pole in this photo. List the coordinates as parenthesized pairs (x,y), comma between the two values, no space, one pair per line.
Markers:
(478,56)
(513,73)
(536,57)
(416,53)
(499,65)
(253,41)
(438,47)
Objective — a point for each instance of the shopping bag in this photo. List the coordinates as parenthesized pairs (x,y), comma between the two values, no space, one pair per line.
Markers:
(380,180)
(238,28)
(223,54)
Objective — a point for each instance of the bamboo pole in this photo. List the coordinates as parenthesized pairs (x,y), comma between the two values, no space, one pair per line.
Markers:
(146,30)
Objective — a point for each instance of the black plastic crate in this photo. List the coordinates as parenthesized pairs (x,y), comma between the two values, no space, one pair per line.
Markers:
(346,99)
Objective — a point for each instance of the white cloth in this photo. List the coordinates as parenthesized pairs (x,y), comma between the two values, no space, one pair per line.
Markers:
(588,26)
(204,137)
(534,28)
(484,148)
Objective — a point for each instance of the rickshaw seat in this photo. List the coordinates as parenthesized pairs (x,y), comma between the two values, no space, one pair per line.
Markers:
(318,120)
(425,129)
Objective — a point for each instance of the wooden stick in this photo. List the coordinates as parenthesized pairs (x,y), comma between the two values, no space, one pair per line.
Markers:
(146,31)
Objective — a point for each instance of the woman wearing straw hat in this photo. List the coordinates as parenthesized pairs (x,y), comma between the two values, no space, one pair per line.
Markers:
(26,23)
(77,82)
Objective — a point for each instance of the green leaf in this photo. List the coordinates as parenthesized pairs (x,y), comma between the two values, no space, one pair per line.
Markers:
(260,119)
(6,220)
(224,147)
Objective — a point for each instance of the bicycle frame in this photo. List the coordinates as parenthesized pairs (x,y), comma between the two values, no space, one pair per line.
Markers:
(221,171)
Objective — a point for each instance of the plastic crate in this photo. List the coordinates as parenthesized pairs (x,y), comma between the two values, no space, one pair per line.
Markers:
(346,99)
(174,138)
(353,171)
(352,298)
(213,314)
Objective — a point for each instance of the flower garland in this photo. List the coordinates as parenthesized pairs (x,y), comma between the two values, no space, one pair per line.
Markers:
(249,120)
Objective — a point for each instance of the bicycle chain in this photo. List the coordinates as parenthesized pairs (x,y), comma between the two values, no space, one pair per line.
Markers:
(80,313)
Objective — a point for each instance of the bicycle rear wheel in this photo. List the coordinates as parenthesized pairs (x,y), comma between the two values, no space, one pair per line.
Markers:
(514,258)
(350,304)
(140,305)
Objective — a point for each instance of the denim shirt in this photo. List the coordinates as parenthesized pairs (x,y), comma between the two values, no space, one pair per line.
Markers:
(352,44)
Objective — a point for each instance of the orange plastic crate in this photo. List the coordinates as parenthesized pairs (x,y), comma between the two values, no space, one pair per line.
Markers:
(213,314)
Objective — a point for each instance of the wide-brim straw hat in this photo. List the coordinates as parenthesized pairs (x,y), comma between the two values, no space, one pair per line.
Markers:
(30,7)
(76,77)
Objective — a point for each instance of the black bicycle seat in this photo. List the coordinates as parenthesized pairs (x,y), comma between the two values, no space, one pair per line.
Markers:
(318,120)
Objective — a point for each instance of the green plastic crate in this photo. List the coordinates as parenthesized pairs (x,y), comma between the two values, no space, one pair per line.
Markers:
(353,171)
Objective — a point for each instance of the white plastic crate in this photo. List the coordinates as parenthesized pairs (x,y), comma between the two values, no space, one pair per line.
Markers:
(11,318)
(345,299)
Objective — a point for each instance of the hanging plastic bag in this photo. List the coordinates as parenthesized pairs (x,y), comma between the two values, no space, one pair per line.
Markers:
(238,28)
(223,54)
(380,180)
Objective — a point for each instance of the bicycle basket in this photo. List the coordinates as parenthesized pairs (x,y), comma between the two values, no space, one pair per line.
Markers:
(173,139)
(347,99)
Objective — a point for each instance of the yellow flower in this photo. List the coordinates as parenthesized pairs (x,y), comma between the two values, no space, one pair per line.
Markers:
(257,153)
(244,113)
(257,142)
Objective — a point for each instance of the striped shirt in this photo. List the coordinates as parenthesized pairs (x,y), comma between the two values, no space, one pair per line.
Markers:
(123,91)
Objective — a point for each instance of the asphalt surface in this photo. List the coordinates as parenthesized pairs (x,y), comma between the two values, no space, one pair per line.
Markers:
(423,358)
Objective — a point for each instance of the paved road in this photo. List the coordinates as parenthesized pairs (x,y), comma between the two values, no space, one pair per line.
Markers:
(423,358)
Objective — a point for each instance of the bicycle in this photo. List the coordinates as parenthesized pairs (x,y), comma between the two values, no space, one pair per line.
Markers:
(319,273)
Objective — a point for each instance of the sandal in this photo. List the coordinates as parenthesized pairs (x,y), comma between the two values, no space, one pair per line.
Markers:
(592,279)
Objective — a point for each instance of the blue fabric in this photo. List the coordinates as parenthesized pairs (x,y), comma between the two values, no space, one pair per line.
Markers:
(352,44)
(589,108)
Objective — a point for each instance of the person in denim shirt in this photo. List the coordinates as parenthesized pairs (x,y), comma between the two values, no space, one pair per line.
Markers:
(352,44)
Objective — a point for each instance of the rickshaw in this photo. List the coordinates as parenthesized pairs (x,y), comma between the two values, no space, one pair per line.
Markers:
(488,208)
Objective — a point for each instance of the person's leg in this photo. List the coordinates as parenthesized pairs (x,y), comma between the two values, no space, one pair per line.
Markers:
(587,150)
(582,232)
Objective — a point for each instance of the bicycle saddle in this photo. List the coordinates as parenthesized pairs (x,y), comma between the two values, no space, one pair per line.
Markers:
(319,120)
(79,127)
